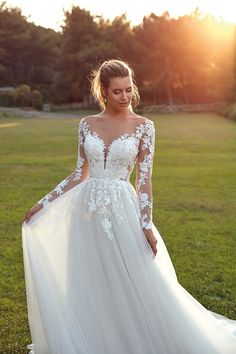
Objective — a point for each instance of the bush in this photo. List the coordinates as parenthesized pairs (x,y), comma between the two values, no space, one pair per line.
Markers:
(5,100)
(36,99)
(229,111)
(232,114)
(22,96)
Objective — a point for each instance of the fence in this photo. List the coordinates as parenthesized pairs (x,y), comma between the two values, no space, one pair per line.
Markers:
(199,107)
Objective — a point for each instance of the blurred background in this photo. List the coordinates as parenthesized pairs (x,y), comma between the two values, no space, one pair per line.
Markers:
(182,52)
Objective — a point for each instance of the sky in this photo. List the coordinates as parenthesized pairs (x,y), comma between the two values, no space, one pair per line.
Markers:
(49,13)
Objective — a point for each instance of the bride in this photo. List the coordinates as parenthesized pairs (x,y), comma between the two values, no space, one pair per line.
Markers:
(99,279)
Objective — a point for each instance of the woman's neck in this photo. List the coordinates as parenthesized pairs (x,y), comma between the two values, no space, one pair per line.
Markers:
(117,113)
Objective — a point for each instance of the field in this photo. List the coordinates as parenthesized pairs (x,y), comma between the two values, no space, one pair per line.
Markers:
(194,191)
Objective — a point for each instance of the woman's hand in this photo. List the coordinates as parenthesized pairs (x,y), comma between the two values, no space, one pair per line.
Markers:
(32,211)
(151,240)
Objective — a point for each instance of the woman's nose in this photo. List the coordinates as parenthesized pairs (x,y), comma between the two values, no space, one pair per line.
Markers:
(124,95)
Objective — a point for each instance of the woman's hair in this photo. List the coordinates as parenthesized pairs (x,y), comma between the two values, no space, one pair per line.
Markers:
(100,78)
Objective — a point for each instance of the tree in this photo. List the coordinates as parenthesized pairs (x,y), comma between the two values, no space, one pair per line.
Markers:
(28,52)
(80,37)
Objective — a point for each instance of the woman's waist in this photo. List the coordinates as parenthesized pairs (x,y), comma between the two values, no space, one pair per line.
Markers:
(111,172)
(108,178)
(110,184)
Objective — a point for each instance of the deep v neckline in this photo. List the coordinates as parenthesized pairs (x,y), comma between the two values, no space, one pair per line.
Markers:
(106,148)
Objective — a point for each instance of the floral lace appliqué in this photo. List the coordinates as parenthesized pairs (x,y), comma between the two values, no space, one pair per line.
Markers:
(105,198)
(74,178)
(144,173)
(108,169)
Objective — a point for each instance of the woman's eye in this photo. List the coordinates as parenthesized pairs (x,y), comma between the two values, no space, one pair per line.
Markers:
(117,92)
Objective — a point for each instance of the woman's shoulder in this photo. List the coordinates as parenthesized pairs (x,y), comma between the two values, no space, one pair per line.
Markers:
(142,119)
(146,122)
(87,119)
(88,122)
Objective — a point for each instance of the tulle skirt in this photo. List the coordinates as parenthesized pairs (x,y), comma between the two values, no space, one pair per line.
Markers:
(95,292)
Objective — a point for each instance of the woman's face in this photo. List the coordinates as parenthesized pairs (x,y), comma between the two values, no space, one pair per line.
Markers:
(119,93)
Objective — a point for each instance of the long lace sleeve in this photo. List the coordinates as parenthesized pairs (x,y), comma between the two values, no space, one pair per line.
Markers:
(76,177)
(143,181)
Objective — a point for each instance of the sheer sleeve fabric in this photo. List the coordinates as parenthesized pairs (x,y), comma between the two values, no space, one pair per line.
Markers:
(76,177)
(143,181)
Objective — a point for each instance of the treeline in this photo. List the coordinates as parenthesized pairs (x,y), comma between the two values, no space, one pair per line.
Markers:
(186,60)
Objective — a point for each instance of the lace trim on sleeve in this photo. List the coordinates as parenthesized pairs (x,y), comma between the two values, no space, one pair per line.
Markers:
(144,174)
(80,172)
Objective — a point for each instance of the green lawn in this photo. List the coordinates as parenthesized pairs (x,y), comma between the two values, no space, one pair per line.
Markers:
(194,188)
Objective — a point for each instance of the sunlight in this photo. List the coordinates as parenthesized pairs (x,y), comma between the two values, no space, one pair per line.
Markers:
(175,9)
(9,125)
(50,13)
(221,10)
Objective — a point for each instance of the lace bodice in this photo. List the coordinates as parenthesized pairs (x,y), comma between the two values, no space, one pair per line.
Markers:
(114,161)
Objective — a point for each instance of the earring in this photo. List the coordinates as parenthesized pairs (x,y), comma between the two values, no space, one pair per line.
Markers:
(105,100)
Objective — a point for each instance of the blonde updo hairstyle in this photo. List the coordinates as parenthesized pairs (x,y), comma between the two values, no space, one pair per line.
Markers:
(100,79)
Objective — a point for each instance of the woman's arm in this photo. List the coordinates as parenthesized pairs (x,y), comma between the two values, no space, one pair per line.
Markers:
(76,177)
(144,182)
(144,173)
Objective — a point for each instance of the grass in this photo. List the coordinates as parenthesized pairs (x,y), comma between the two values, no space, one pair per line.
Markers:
(194,194)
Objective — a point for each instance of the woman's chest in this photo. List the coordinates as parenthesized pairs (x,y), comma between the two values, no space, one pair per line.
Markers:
(123,148)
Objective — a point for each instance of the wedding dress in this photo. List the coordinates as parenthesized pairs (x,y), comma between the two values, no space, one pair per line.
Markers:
(93,284)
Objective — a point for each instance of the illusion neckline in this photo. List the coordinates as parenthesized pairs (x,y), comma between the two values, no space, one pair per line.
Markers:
(107,147)
(121,136)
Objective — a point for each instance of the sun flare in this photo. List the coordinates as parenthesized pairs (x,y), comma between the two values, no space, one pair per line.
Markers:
(50,13)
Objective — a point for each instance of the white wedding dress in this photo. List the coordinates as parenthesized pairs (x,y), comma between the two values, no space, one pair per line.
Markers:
(93,284)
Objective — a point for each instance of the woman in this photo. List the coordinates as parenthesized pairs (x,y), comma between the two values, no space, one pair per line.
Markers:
(94,285)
